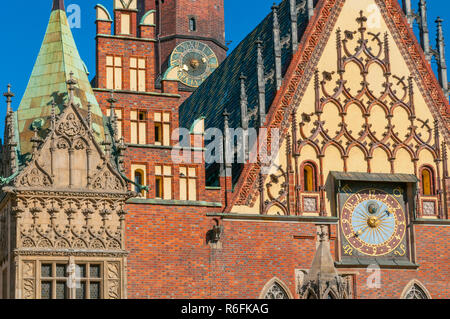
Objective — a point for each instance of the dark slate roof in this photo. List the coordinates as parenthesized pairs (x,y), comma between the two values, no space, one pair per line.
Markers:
(222,89)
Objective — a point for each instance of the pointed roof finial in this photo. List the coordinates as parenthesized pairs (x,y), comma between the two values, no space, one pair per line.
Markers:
(58,5)
(9,95)
(71,83)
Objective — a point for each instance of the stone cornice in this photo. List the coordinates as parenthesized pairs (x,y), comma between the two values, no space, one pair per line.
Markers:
(257,217)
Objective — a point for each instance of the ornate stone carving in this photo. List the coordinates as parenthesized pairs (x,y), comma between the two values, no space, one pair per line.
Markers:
(276,292)
(28,273)
(71,127)
(28,289)
(322,281)
(113,275)
(107,180)
(34,176)
(62,231)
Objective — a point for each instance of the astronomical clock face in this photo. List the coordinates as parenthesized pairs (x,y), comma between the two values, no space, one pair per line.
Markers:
(373,221)
(196,61)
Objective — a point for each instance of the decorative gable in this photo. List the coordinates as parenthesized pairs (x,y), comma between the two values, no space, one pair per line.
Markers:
(353,100)
(70,158)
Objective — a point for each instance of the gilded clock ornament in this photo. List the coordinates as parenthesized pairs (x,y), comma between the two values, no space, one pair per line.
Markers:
(195,60)
(373,222)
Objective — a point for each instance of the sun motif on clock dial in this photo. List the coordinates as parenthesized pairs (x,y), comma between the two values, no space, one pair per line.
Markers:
(195,60)
(373,222)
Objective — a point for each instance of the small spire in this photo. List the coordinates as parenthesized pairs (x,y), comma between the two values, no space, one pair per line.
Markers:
(53,115)
(71,83)
(58,5)
(9,95)
(442,63)
(113,116)
(408,11)
(310,7)
(277,46)
(35,140)
(244,102)
(294,27)
(227,144)
(261,83)
(424,31)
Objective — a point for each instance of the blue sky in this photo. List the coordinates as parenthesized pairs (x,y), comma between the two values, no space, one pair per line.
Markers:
(24,24)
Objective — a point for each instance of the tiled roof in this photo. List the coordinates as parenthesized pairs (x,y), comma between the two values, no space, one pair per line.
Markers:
(58,57)
(221,91)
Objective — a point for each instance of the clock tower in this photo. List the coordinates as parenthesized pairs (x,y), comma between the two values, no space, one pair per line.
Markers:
(197,28)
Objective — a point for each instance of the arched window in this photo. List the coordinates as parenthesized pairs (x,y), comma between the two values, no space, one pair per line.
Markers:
(276,292)
(192,24)
(415,292)
(309,177)
(427,181)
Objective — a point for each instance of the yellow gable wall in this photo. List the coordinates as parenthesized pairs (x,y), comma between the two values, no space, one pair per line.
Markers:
(357,161)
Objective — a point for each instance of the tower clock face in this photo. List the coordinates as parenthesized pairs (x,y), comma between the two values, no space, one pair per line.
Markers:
(373,223)
(196,61)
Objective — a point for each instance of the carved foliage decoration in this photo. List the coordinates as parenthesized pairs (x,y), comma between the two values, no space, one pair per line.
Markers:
(35,176)
(107,179)
(113,276)
(71,223)
(29,280)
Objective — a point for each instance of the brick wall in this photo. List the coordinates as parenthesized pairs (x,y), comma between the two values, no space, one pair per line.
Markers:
(169,257)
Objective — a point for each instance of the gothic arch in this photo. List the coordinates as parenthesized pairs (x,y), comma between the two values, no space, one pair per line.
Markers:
(277,284)
(418,286)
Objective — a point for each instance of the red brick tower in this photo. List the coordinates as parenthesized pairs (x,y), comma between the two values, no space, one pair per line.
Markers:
(181,20)
(153,55)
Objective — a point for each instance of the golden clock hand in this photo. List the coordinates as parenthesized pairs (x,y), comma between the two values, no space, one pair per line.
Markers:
(361,231)
(387,214)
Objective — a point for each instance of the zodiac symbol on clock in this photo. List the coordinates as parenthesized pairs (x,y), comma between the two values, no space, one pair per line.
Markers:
(348,250)
(402,252)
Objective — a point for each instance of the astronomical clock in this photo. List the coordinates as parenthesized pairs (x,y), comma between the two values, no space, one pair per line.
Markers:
(373,223)
(196,61)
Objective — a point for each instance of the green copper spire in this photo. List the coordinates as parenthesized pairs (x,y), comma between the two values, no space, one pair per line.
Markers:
(57,58)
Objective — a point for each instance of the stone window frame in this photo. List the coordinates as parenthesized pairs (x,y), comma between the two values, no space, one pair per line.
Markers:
(271,283)
(71,292)
(315,180)
(432,173)
(410,285)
